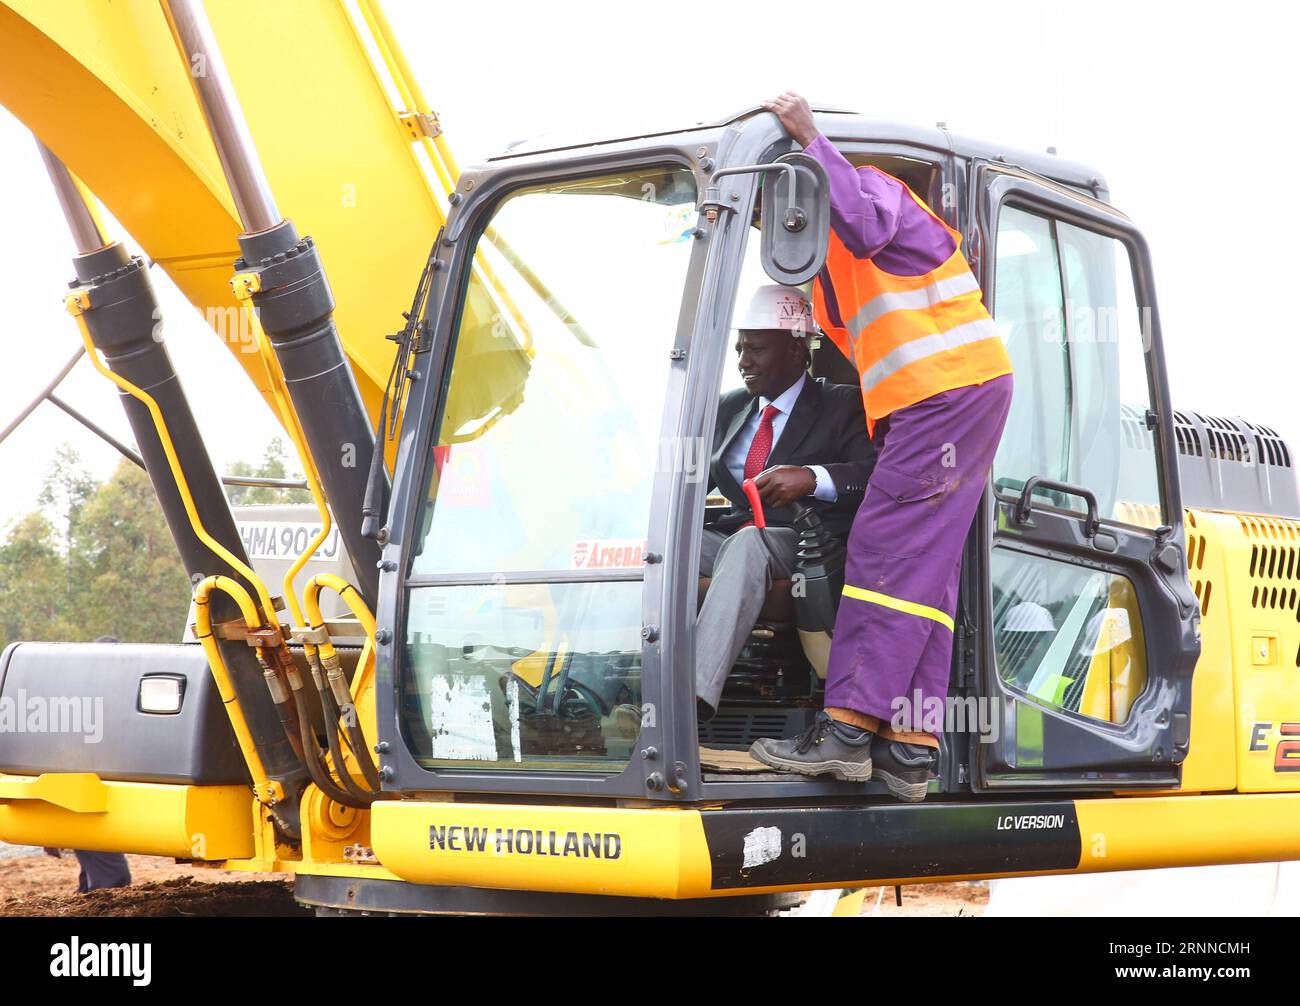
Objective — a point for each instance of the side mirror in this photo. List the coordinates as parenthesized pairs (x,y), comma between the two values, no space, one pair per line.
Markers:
(796,220)
(796,215)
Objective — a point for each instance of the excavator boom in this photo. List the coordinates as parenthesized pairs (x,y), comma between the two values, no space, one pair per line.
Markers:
(101,85)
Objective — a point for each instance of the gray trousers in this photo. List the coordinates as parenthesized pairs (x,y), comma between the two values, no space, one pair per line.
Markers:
(102,869)
(742,568)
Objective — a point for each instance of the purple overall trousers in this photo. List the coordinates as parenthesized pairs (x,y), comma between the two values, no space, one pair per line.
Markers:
(894,630)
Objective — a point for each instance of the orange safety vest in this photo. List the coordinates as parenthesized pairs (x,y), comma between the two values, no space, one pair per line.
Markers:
(910,337)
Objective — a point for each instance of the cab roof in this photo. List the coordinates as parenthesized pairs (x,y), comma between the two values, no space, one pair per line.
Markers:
(841,124)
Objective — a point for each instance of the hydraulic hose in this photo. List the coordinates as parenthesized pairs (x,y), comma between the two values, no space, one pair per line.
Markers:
(312,756)
(203,624)
(343,691)
(332,737)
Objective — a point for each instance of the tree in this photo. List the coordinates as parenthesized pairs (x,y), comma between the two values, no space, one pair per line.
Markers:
(32,581)
(106,566)
(133,585)
(66,490)
(100,560)
(275,465)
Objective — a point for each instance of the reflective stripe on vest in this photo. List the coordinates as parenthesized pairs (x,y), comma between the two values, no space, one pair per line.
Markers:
(928,345)
(911,300)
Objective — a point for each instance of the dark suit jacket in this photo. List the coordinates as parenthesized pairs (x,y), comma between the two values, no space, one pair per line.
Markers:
(826,427)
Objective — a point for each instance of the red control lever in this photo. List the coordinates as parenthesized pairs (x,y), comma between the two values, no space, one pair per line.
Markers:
(755,503)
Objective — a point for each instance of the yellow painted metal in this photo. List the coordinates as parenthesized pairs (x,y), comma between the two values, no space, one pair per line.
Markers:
(850,905)
(663,852)
(1245,572)
(329,828)
(1145,833)
(79,792)
(114,104)
(1211,762)
(1245,569)
(187,822)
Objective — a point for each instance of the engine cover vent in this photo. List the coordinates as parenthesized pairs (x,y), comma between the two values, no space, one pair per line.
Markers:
(1231,464)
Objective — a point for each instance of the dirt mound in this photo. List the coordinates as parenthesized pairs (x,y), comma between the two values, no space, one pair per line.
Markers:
(180,897)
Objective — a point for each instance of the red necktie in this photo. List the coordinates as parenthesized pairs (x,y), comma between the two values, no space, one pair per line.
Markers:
(761,446)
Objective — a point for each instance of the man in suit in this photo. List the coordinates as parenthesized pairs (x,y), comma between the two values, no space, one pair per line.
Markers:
(802,441)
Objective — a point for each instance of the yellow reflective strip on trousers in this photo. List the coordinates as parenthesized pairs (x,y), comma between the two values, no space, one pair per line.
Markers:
(898,604)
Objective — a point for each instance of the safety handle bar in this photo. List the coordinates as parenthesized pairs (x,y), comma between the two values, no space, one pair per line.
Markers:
(1025,505)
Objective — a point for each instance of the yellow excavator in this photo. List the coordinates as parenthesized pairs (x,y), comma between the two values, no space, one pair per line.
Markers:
(489,707)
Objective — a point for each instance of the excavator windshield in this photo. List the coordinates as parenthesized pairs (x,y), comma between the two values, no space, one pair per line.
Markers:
(523,627)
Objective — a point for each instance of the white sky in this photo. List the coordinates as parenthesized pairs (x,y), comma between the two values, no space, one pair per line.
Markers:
(1186,109)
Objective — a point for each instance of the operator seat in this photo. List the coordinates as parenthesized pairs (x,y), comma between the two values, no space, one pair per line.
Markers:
(812,611)
(775,687)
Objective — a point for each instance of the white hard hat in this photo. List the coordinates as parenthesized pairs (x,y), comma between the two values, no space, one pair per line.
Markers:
(778,307)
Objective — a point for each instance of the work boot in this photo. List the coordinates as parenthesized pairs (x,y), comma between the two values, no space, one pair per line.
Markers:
(905,768)
(826,747)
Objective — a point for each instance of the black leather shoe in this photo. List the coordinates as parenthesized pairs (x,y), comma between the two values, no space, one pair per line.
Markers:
(828,747)
(703,711)
(905,768)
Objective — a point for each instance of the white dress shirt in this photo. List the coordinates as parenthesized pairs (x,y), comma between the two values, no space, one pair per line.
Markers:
(734,456)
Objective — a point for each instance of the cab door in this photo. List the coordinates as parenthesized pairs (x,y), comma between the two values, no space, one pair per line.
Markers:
(1089,630)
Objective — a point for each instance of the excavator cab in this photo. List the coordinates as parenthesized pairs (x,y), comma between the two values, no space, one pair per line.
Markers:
(544,536)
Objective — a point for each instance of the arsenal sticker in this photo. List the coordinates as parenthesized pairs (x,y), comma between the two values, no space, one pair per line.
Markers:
(610,553)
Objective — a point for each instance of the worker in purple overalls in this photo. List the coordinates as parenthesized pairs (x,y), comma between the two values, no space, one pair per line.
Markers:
(898,299)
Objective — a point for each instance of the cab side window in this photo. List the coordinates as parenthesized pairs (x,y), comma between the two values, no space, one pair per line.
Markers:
(1069,636)
(1067,308)
(1030,311)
